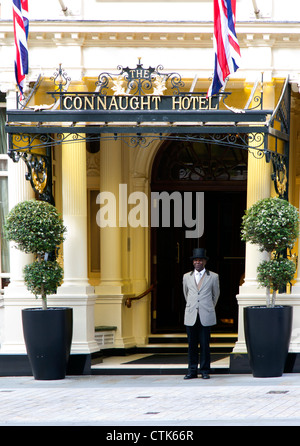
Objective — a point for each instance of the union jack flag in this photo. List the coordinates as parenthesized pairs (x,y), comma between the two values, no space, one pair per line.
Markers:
(226,46)
(21,28)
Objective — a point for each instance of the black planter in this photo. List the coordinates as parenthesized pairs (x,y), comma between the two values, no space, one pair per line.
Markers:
(267,335)
(48,337)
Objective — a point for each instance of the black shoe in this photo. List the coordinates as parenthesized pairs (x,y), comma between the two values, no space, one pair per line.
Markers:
(190,376)
(205,376)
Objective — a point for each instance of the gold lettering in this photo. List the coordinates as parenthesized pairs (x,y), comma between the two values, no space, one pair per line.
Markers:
(176,100)
(121,106)
(156,100)
(89,102)
(186,103)
(145,100)
(77,103)
(134,104)
(139,73)
(101,103)
(203,105)
(67,98)
(194,100)
(146,74)
(113,103)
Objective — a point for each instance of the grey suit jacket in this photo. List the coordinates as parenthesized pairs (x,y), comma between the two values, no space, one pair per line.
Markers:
(201,301)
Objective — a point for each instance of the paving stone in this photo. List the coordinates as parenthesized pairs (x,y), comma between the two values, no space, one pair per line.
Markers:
(150,401)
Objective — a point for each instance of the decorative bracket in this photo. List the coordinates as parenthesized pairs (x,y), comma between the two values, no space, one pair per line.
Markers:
(39,171)
(279,175)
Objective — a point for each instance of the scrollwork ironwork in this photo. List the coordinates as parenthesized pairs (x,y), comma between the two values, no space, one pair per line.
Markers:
(256,99)
(37,159)
(279,175)
(39,172)
(201,161)
(60,79)
(35,150)
(248,141)
(139,81)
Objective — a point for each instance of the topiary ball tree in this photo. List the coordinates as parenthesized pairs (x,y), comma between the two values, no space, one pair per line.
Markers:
(37,228)
(273,225)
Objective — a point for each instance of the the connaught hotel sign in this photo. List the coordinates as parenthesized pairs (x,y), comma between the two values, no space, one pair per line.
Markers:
(130,89)
(87,101)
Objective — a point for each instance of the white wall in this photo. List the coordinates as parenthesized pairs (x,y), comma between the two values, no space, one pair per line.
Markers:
(199,10)
(174,33)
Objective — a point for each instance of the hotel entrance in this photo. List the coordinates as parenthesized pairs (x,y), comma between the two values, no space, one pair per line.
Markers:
(171,139)
(220,175)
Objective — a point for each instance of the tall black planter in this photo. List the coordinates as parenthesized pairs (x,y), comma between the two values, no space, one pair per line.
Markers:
(267,335)
(48,337)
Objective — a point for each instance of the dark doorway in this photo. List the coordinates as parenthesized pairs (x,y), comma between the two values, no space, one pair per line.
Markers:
(224,205)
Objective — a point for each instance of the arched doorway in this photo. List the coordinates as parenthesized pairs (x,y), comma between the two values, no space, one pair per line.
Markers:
(219,175)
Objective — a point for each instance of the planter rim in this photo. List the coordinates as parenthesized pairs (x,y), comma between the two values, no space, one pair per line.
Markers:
(264,307)
(47,309)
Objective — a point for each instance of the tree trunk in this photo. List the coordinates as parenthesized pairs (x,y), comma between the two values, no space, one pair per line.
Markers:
(268,297)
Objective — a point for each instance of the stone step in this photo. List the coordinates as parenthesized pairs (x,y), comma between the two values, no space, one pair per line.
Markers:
(178,343)
(154,364)
(182,337)
(163,355)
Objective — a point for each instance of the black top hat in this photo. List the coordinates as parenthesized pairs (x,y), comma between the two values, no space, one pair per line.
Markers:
(199,253)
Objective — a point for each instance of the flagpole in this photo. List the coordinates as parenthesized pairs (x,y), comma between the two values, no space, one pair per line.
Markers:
(64,8)
(256,10)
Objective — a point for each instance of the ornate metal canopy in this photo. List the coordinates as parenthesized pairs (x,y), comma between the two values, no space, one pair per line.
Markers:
(141,105)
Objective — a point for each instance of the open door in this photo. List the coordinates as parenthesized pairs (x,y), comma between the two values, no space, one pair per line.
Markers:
(171,252)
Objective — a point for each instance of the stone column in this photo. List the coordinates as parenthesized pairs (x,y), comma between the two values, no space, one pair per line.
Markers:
(111,233)
(113,289)
(75,290)
(258,187)
(16,295)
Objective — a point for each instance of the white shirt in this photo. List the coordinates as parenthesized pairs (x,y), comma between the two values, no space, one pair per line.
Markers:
(199,274)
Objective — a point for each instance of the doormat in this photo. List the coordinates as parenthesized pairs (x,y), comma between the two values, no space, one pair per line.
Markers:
(172,358)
